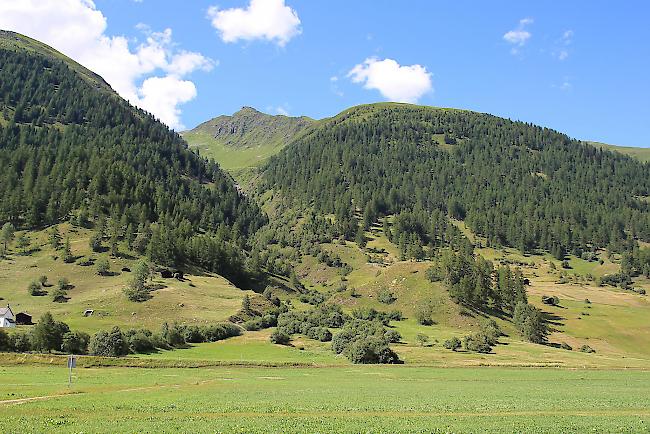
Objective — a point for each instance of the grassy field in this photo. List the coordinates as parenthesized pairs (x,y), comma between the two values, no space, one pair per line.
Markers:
(346,399)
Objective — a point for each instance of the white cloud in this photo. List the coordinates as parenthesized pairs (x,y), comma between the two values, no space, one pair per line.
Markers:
(393,81)
(565,86)
(78,29)
(270,20)
(518,36)
(562,53)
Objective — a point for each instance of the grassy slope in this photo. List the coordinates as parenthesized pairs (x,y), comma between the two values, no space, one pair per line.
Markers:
(350,399)
(642,154)
(204,298)
(245,139)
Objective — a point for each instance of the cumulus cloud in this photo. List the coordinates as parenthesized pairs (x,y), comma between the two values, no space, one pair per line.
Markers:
(270,20)
(394,81)
(150,74)
(518,36)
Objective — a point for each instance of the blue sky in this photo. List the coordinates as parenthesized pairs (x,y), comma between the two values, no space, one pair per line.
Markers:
(581,67)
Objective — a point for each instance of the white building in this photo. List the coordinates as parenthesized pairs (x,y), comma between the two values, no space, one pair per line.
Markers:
(7,318)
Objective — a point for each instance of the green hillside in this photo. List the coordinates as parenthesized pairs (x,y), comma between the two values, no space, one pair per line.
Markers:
(16,42)
(642,154)
(388,233)
(245,139)
(516,184)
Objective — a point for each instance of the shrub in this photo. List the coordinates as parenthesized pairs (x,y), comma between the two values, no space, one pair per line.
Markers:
(491,331)
(95,242)
(279,337)
(63,284)
(478,343)
(59,296)
(452,344)
(566,346)
(587,349)
(5,341)
(75,342)
(103,267)
(140,340)
(35,289)
(371,350)
(320,334)
(109,344)
(551,300)
(218,332)
(172,334)
(423,316)
(21,342)
(43,280)
(385,296)
(392,336)
(421,339)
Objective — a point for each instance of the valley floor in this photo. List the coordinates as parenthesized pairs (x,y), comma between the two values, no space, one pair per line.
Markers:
(332,399)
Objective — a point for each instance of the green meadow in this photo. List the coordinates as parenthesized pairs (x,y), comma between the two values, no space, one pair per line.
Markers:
(341,399)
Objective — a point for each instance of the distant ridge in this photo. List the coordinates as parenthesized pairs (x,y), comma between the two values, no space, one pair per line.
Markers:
(246,138)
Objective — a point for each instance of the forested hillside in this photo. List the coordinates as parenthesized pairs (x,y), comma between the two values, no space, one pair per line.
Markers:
(71,149)
(513,183)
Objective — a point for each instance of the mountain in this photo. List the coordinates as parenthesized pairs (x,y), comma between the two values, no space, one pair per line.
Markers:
(71,147)
(245,139)
(512,183)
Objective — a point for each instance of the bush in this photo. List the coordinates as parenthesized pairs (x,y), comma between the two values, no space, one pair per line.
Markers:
(371,350)
(279,337)
(566,346)
(320,334)
(103,267)
(63,284)
(385,296)
(551,300)
(421,339)
(491,331)
(192,334)
(219,332)
(35,289)
(452,344)
(587,349)
(262,322)
(20,342)
(59,296)
(43,280)
(75,342)
(109,344)
(172,335)
(140,340)
(95,242)
(5,341)
(392,336)
(478,343)
(423,316)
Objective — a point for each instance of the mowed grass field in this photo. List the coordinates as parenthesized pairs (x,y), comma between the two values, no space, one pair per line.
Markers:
(345,399)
